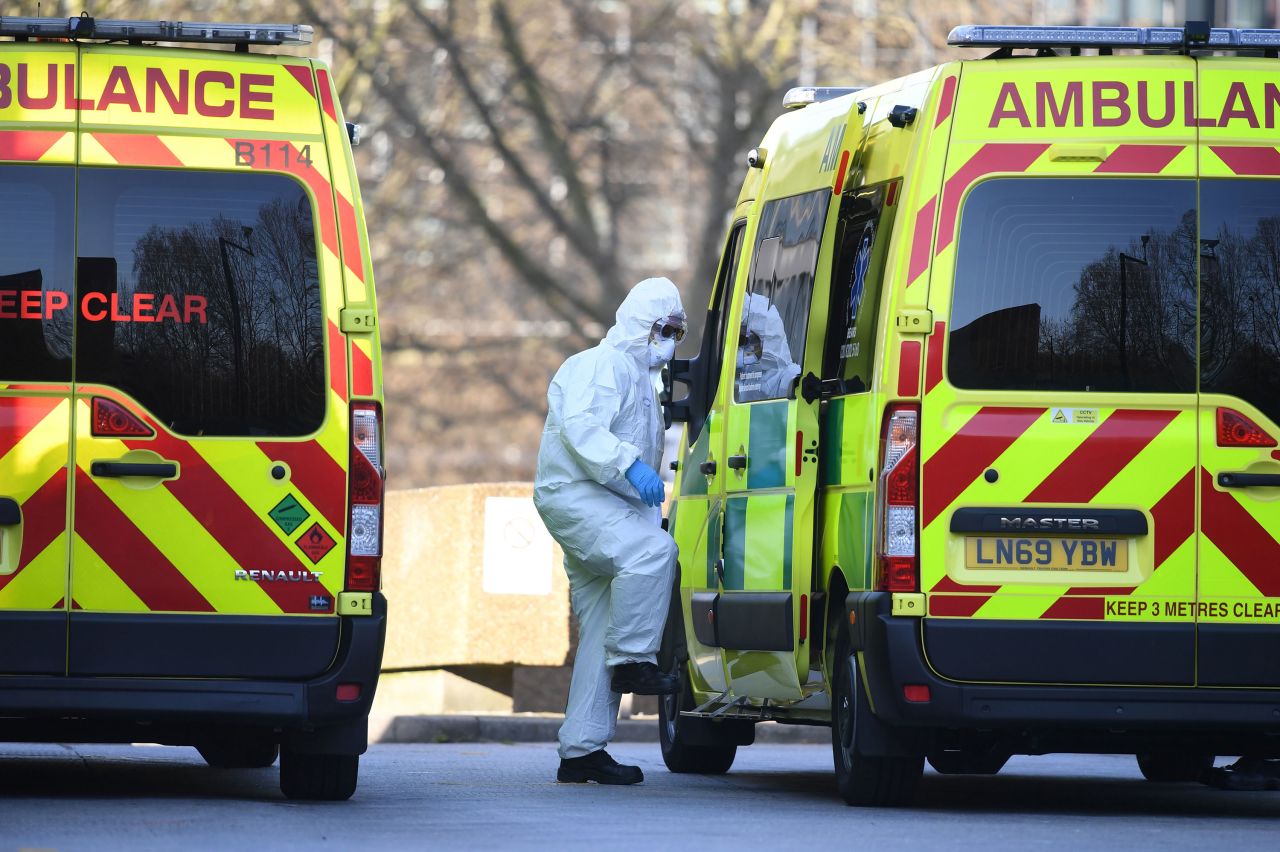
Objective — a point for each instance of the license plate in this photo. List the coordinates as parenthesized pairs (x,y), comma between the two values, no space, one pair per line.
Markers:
(1046,553)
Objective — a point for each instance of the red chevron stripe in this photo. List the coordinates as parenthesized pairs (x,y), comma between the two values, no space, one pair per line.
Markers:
(19,415)
(947,101)
(361,373)
(1101,457)
(946,584)
(933,364)
(993,157)
(131,149)
(1083,609)
(1139,159)
(1245,542)
(130,554)
(241,531)
(338,360)
(1175,517)
(44,518)
(349,232)
(326,94)
(321,479)
(302,73)
(909,368)
(27,145)
(921,240)
(961,460)
(957,606)
(1249,160)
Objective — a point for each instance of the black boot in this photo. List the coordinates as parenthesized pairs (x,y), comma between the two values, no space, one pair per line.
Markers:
(643,679)
(1247,773)
(598,767)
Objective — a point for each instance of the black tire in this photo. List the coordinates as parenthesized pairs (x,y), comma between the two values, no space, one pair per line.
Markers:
(318,777)
(967,763)
(864,780)
(678,755)
(1167,767)
(247,752)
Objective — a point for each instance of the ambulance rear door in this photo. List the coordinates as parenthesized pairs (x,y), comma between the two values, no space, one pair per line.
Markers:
(1058,424)
(37,252)
(1238,603)
(211,438)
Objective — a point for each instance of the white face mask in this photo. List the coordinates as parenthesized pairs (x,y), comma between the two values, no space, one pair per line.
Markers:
(661,351)
(747,359)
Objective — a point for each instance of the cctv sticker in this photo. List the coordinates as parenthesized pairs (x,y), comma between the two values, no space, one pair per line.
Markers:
(1073,415)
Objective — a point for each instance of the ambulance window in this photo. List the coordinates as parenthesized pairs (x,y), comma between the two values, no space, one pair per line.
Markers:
(1083,284)
(862,241)
(199,295)
(1240,291)
(36,250)
(775,316)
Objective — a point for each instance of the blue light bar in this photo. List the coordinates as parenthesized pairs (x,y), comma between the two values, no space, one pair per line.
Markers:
(189,32)
(1134,38)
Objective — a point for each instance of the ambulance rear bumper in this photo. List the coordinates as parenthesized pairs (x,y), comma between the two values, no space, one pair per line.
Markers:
(893,658)
(42,702)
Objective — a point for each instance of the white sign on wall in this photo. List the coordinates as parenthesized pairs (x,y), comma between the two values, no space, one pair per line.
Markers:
(517,548)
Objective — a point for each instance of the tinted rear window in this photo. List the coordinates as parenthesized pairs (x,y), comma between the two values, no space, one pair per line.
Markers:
(1240,291)
(1076,284)
(36,252)
(198,294)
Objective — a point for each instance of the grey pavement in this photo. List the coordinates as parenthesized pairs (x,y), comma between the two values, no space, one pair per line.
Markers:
(542,728)
(493,796)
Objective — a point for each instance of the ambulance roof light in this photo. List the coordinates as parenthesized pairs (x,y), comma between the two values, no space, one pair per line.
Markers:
(191,32)
(802,96)
(1137,38)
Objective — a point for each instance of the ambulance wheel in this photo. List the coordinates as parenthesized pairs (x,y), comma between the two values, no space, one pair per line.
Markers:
(1174,766)
(245,752)
(861,778)
(318,777)
(680,756)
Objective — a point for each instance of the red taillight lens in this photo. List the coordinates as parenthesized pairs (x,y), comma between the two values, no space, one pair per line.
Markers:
(113,420)
(1236,430)
(899,500)
(365,498)
(347,692)
(916,693)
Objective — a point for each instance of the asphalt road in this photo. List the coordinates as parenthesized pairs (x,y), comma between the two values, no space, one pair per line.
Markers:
(494,796)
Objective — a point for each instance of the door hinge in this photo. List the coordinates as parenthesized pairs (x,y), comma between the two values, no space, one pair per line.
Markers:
(358,321)
(910,321)
(355,603)
(908,603)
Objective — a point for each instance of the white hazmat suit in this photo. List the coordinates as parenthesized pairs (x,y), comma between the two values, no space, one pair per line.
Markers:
(772,376)
(602,415)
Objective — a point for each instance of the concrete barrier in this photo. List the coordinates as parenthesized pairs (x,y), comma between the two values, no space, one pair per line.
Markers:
(472,579)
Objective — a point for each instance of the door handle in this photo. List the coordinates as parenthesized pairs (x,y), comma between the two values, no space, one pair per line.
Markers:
(10,513)
(708,468)
(1249,480)
(166,470)
(737,462)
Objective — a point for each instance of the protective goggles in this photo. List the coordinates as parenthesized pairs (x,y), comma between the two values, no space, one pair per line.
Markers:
(668,328)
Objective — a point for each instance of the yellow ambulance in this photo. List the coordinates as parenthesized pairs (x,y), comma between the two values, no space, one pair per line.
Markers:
(191,475)
(980,454)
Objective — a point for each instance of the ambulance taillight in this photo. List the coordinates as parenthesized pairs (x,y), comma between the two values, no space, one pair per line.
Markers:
(366,488)
(899,500)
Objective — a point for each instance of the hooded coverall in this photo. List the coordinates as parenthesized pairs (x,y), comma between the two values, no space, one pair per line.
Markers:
(772,376)
(603,415)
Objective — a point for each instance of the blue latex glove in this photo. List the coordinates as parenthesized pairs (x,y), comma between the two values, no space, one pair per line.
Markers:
(646,480)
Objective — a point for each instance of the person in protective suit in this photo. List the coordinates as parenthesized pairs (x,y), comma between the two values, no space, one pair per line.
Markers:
(765,368)
(598,491)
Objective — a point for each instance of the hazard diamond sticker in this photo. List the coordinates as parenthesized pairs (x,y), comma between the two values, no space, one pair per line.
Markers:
(289,514)
(315,542)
